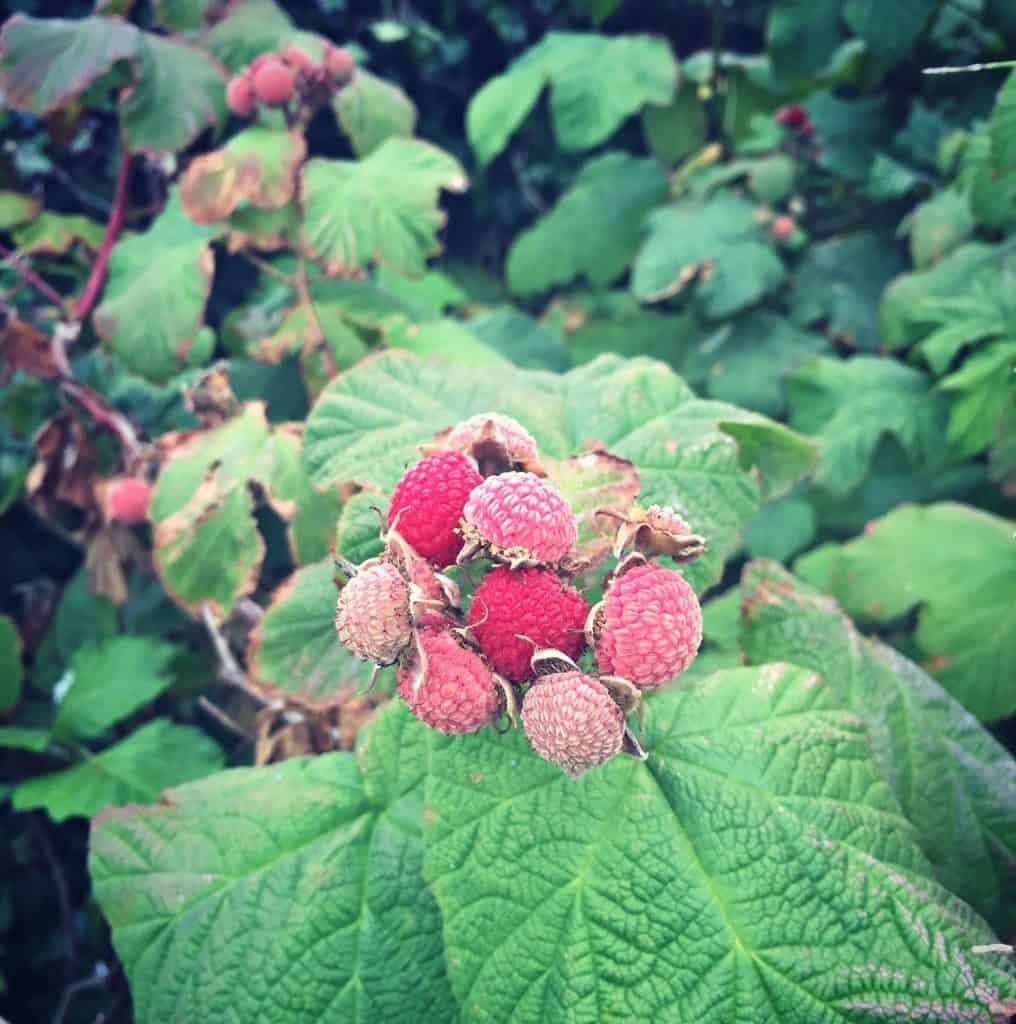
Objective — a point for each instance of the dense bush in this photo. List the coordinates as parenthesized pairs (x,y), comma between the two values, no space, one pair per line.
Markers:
(753,257)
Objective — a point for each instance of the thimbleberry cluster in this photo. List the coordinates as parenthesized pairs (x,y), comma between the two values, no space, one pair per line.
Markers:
(290,76)
(480,499)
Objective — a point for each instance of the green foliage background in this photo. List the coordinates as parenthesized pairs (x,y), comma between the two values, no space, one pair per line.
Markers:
(595,216)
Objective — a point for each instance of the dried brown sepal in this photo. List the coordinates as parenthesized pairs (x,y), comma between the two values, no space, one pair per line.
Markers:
(491,447)
(548,662)
(509,701)
(211,399)
(631,746)
(657,530)
(627,695)
(65,467)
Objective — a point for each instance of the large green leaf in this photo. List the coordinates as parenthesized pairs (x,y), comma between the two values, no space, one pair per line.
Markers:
(47,61)
(957,565)
(594,229)
(754,868)
(287,893)
(294,649)
(367,424)
(382,209)
(596,82)
(521,339)
(718,243)
(889,35)
(953,780)
(135,770)
(179,92)
(153,310)
(372,110)
(109,681)
(849,405)
(803,35)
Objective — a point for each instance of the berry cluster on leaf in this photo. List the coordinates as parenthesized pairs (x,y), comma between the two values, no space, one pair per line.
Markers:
(481,500)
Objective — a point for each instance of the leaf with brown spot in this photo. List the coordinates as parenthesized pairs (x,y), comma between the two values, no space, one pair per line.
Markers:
(25,347)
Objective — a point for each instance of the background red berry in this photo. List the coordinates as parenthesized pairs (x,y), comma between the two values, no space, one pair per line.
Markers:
(274,82)
(240,96)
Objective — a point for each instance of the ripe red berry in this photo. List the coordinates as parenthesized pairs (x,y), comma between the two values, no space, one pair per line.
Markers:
(648,627)
(127,500)
(274,82)
(512,604)
(428,502)
(297,58)
(572,721)
(782,228)
(793,116)
(519,518)
(449,687)
(240,96)
(340,64)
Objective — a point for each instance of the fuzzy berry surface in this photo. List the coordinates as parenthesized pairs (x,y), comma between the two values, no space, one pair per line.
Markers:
(522,513)
(650,626)
(428,503)
(457,693)
(533,603)
(372,614)
(127,500)
(274,82)
(572,721)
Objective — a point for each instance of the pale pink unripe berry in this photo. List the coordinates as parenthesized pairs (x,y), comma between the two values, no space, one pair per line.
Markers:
(340,64)
(240,96)
(496,442)
(782,228)
(648,627)
(297,58)
(372,616)
(519,518)
(449,687)
(274,82)
(572,721)
(127,499)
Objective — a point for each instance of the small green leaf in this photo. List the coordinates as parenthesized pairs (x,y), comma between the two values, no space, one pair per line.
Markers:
(594,229)
(718,243)
(849,405)
(110,682)
(677,130)
(17,208)
(47,61)
(596,82)
(56,233)
(178,93)
(382,209)
(135,770)
(937,226)
(957,565)
(153,310)
(919,736)
(11,671)
(183,15)
(294,649)
(371,111)
(1002,127)
(662,888)
(889,38)
(312,867)
(358,534)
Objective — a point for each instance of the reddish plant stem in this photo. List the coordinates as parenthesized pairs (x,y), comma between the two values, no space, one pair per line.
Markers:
(113,228)
(104,416)
(31,276)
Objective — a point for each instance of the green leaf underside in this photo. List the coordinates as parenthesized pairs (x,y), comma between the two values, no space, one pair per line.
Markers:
(736,872)
(135,770)
(367,424)
(294,648)
(754,869)
(958,566)
(955,783)
(309,870)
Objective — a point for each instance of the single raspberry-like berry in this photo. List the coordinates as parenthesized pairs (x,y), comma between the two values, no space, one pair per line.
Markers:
(648,627)
(274,82)
(572,721)
(372,615)
(340,64)
(497,443)
(449,687)
(297,58)
(240,96)
(793,116)
(127,500)
(517,611)
(782,228)
(428,502)
(518,518)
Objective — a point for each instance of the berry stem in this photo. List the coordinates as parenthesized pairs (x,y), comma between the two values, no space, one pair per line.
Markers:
(113,228)
(17,261)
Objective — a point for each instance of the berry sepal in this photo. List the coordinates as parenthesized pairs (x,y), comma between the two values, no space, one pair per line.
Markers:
(657,530)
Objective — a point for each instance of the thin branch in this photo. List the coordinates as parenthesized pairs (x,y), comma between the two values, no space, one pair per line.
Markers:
(226,721)
(267,267)
(995,65)
(104,416)
(113,227)
(20,265)
(97,980)
(229,671)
